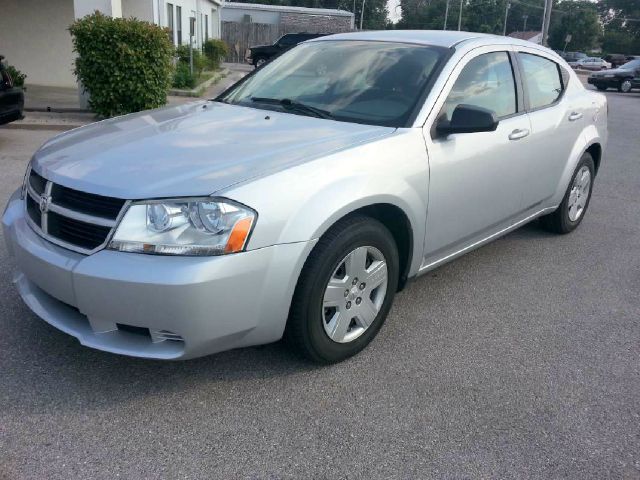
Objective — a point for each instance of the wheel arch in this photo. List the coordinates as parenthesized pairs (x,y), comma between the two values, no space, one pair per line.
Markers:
(398,223)
(595,150)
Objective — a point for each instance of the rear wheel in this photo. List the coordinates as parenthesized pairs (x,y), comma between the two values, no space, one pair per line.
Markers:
(260,61)
(576,199)
(625,86)
(345,291)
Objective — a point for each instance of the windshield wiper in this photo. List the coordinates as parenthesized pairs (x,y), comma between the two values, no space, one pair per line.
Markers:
(289,104)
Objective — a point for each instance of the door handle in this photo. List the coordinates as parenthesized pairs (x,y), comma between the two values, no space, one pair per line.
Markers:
(573,116)
(518,133)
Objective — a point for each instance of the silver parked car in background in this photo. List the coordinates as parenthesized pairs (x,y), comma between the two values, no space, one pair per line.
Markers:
(303,198)
(592,63)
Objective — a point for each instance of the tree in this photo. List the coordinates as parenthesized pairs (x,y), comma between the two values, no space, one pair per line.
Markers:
(485,16)
(621,20)
(578,18)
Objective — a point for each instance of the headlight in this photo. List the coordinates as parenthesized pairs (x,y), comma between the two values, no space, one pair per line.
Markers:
(193,226)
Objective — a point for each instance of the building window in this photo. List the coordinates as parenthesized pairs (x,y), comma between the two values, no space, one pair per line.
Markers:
(170,24)
(206,28)
(179,24)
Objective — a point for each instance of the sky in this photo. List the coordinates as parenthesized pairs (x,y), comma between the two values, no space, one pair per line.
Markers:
(394,13)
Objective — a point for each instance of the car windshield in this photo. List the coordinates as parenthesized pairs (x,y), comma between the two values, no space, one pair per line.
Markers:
(631,65)
(376,83)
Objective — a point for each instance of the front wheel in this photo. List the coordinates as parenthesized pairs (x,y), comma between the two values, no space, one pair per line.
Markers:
(576,199)
(625,86)
(345,291)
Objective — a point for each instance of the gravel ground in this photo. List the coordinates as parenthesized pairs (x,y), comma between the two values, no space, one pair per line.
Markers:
(519,360)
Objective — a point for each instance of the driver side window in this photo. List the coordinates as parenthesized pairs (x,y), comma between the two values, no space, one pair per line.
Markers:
(486,81)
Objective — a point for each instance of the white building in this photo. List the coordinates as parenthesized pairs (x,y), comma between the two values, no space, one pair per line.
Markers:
(530,36)
(34,34)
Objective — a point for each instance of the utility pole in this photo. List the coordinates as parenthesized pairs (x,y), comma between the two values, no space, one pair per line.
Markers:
(524,27)
(460,15)
(446,14)
(506,14)
(354,15)
(362,14)
(548,5)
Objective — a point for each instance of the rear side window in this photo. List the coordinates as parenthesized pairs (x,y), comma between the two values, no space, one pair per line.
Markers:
(287,40)
(486,81)
(542,78)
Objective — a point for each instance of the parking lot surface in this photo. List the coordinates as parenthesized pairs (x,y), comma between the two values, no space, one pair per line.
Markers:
(519,360)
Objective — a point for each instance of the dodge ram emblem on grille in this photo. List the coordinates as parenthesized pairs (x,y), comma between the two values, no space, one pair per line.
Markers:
(45,201)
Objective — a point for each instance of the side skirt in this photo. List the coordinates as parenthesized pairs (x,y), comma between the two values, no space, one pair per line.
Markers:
(451,256)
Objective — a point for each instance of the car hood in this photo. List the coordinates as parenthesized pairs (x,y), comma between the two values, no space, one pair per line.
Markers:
(194,149)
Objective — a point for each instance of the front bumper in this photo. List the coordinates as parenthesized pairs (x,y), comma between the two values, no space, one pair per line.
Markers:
(155,306)
(601,81)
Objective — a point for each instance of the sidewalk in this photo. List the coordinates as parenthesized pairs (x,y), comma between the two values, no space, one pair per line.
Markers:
(58,108)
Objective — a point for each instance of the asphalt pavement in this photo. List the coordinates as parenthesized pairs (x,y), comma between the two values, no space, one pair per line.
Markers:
(518,360)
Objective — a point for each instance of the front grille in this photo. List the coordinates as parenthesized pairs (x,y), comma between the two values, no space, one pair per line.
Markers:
(76,232)
(33,210)
(88,203)
(73,219)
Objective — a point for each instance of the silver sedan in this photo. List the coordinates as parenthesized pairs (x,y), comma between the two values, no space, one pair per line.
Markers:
(302,199)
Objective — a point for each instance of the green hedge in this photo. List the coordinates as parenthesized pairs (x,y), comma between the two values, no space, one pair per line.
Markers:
(17,76)
(124,64)
(215,51)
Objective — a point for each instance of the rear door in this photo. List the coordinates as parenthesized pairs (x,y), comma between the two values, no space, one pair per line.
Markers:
(556,115)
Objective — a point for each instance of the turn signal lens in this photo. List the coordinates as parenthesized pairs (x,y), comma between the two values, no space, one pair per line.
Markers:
(239,235)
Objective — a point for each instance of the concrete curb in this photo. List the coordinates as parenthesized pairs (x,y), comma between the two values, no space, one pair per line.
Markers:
(200,89)
(56,110)
(41,126)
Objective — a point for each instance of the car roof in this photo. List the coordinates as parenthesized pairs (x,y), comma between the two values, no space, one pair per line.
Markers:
(440,38)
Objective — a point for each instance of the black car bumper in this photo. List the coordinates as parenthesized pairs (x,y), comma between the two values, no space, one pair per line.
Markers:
(11,105)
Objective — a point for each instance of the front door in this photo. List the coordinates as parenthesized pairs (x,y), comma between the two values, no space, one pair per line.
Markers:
(475,186)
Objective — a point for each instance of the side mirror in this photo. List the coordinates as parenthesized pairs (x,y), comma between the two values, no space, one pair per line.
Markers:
(467,119)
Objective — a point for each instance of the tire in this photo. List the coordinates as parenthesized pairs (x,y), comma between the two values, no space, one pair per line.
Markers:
(602,88)
(259,61)
(325,325)
(569,214)
(625,86)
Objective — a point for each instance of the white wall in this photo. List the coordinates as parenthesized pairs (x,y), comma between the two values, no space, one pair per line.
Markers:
(190,8)
(82,8)
(140,9)
(34,38)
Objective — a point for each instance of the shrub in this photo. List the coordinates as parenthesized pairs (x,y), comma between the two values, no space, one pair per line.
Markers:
(17,76)
(215,51)
(199,62)
(124,64)
(183,77)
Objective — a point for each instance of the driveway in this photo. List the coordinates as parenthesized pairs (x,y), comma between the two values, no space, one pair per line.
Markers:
(519,360)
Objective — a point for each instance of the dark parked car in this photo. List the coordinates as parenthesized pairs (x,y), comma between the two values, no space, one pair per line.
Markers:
(572,58)
(616,59)
(623,78)
(11,97)
(261,53)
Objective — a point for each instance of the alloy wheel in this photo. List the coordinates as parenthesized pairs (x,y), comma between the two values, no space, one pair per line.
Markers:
(579,194)
(354,294)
